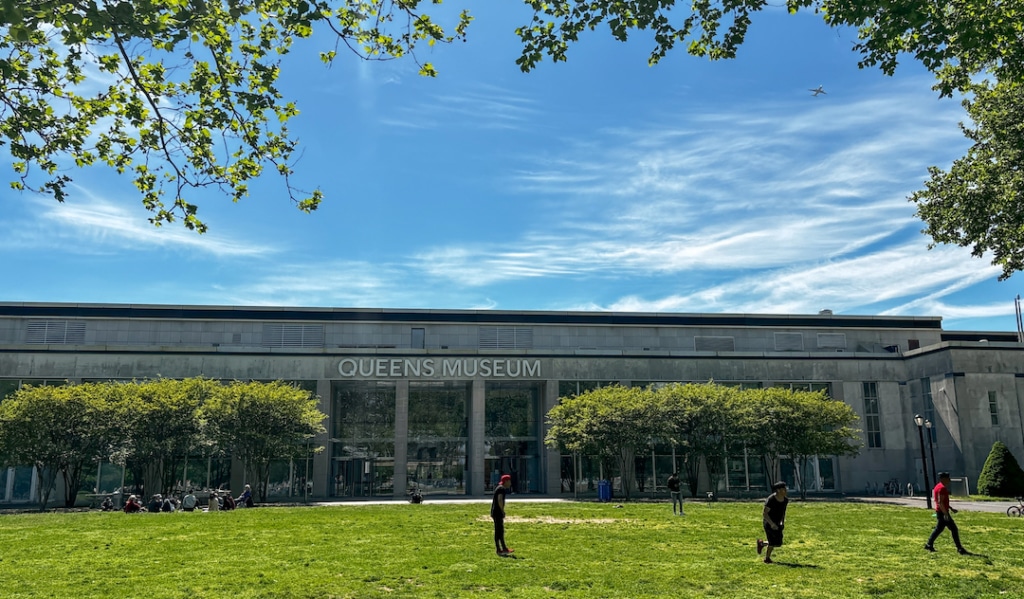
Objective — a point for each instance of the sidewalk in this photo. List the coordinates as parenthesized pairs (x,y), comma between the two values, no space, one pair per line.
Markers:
(997,507)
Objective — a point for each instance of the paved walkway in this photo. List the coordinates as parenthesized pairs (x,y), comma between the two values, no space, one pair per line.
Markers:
(998,507)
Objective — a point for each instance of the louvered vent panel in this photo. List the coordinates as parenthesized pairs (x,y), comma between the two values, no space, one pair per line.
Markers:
(505,338)
(708,343)
(789,342)
(293,335)
(832,340)
(52,332)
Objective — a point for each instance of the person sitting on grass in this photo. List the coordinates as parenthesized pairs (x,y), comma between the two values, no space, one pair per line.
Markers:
(132,506)
(774,517)
(245,499)
(189,501)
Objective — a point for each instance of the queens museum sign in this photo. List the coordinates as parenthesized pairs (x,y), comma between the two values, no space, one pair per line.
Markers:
(447,368)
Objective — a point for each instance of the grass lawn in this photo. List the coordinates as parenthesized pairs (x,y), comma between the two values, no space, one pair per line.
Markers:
(561,550)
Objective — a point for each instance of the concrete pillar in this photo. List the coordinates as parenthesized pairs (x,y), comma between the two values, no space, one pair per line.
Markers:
(477,423)
(321,476)
(401,436)
(552,459)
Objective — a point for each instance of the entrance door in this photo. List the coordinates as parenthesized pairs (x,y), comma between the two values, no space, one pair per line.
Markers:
(361,477)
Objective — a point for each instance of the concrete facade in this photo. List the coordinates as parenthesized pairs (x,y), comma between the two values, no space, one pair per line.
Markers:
(970,385)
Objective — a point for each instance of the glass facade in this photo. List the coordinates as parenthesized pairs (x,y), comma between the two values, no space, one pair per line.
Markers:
(436,459)
(362,441)
(512,434)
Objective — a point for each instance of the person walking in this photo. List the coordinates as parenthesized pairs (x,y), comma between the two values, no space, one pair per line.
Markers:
(675,492)
(498,514)
(944,515)
(774,518)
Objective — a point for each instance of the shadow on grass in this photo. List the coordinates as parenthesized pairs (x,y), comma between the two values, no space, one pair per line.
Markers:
(792,565)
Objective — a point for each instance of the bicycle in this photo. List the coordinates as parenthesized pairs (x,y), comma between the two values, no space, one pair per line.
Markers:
(1016,510)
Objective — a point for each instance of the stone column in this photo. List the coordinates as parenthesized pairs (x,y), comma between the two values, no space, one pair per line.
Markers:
(321,476)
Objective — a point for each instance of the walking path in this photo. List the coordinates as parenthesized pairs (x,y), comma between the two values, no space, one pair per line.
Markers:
(998,507)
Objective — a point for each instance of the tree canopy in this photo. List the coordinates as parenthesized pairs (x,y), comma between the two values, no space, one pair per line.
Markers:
(151,426)
(183,94)
(706,423)
(180,94)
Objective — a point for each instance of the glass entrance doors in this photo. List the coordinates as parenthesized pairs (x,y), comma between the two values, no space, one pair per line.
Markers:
(355,478)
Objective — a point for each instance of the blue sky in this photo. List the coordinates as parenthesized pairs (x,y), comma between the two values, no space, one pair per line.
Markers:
(596,184)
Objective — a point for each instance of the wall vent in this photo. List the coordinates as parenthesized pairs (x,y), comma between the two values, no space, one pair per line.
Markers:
(714,343)
(56,332)
(789,342)
(836,341)
(505,338)
(293,335)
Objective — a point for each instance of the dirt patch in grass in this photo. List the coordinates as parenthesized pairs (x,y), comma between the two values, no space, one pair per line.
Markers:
(553,520)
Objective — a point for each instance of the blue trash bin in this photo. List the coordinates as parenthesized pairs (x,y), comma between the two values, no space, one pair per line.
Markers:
(604,490)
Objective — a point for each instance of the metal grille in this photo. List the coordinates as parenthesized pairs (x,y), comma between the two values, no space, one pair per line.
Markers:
(55,332)
(708,343)
(293,335)
(505,338)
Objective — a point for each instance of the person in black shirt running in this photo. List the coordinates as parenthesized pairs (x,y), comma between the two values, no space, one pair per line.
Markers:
(774,516)
(498,514)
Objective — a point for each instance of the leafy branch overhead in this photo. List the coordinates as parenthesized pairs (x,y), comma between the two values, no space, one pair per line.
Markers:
(181,94)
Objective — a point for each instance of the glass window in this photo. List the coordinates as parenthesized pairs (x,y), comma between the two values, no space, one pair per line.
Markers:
(362,438)
(993,408)
(872,418)
(418,340)
(572,388)
(7,387)
(511,434)
(437,437)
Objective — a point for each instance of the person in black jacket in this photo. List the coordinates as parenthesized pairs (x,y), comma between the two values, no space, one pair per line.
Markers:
(498,514)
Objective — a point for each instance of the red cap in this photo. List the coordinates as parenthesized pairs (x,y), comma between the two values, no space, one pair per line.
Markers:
(506,477)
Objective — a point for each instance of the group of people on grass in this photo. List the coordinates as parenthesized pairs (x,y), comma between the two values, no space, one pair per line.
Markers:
(219,501)
(773,515)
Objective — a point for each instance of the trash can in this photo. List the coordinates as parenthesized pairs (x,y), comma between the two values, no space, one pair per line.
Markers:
(604,490)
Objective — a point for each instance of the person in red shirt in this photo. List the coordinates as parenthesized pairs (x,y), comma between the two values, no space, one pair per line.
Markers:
(944,515)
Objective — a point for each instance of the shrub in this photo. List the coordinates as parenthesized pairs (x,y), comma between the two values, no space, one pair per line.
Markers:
(1001,476)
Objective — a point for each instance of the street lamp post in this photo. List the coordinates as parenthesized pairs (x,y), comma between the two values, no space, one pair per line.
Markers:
(931,449)
(924,461)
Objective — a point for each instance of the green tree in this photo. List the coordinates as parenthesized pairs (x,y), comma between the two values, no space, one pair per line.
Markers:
(57,429)
(702,423)
(979,201)
(1001,476)
(260,422)
(181,94)
(160,426)
(612,422)
(780,422)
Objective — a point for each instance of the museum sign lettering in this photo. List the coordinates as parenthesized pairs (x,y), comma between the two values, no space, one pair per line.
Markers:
(448,368)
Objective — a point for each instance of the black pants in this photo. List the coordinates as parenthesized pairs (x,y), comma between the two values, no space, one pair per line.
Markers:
(499,534)
(944,522)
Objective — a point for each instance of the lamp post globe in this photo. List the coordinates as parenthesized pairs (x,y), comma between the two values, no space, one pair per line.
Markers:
(919,421)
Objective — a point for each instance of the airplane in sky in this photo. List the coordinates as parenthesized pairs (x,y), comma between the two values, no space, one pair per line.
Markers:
(818,90)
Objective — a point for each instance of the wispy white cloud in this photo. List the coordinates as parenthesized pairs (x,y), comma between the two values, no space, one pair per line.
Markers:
(90,224)
(485,106)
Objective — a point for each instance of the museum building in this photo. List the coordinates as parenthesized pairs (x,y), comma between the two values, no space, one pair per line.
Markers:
(445,400)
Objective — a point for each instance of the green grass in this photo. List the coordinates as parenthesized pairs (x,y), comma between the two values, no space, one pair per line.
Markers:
(562,550)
